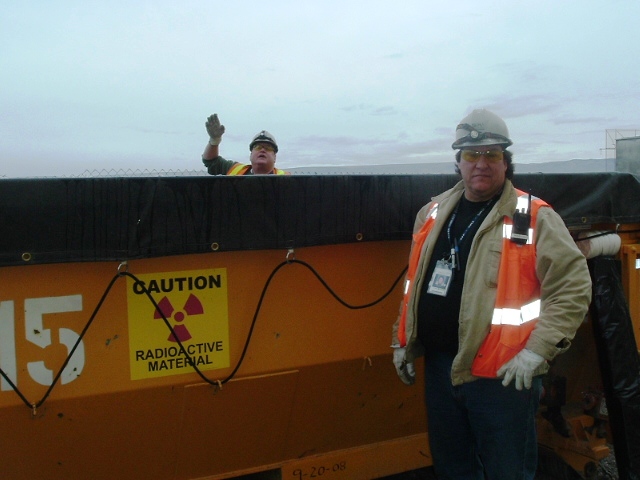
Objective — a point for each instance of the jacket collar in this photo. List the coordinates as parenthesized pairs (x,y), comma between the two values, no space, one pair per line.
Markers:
(506,204)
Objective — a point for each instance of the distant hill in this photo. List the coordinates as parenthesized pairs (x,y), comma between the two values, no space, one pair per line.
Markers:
(569,166)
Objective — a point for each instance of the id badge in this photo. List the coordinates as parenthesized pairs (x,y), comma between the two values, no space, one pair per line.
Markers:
(441,279)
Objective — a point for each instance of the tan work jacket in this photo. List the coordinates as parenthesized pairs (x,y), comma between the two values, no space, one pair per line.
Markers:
(565,291)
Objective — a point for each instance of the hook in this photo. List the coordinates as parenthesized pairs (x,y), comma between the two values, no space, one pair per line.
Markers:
(291,255)
(367,360)
(217,384)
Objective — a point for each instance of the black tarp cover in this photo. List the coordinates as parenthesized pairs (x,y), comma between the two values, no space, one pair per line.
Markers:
(619,363)
(105,219)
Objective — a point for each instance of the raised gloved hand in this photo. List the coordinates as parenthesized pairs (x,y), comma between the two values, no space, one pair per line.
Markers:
(214,129)
(521,367)
(406,371)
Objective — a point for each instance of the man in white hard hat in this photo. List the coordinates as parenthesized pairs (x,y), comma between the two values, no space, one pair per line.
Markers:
(263,148)
(517,289)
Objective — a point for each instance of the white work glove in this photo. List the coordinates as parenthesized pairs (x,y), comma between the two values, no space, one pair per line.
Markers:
(406,371)
(214,129)
(521,367)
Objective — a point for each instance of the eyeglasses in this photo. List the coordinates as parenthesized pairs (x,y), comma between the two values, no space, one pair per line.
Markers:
(492,156)
(264,146)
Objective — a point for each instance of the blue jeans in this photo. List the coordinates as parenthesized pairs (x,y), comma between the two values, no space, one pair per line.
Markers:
(480,429)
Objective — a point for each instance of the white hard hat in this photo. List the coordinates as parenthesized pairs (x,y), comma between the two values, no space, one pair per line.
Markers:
(264,137)
(481,127)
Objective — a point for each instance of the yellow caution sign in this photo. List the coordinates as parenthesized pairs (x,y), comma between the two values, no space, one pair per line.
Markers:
(194,303)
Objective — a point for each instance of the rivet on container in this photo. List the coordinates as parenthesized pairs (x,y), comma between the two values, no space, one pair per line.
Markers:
(359,237)
(215,246)
(26,257)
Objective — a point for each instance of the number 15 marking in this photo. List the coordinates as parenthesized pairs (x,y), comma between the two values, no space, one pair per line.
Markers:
(34,310)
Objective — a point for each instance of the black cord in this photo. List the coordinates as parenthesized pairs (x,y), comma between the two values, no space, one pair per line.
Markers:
(596,235)
(216,383)
(606,232)
(71,352)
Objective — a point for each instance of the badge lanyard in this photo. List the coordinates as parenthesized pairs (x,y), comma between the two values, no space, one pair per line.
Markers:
(443,271)
(455,261)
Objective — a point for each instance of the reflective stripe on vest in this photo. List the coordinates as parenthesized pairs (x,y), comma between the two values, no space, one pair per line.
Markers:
(240,169)
(515,316)
(416,249)
(517,305)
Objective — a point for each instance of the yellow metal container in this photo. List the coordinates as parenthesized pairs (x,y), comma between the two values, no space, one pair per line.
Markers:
(316,393)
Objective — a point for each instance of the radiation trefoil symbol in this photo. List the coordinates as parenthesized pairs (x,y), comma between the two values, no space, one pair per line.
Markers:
(192,306)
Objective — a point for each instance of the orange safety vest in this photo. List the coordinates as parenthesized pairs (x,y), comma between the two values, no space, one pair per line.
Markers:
(414,261)
(517,305)
(240,169)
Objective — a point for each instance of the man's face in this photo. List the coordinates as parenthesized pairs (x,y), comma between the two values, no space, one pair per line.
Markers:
(263,158)
(483,170)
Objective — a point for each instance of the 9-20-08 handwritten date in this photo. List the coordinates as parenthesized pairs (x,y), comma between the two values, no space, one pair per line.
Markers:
(319,471)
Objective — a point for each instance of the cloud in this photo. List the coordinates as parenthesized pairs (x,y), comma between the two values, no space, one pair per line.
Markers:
(336,82)
(510,106)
